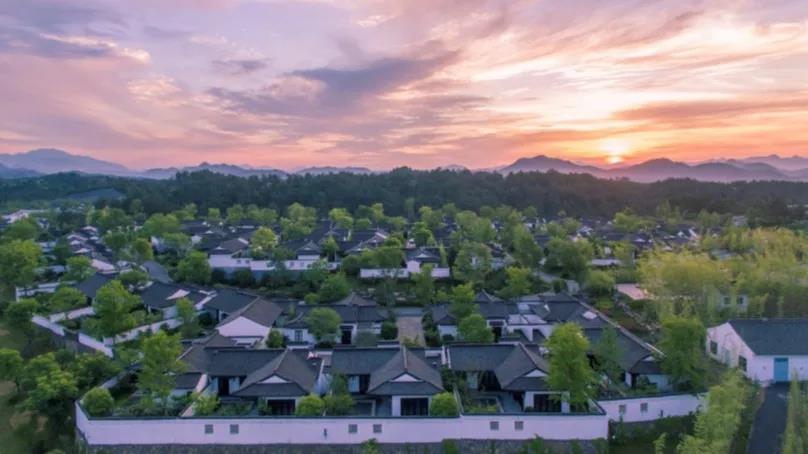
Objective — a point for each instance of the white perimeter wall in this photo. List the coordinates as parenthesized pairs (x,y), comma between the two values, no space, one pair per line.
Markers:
(336,430)
(657,407)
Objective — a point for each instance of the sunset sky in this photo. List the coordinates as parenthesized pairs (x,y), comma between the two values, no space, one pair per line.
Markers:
(422,83)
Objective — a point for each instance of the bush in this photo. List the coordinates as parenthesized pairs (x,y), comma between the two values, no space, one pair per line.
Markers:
(443,404)
(98,402)
(389,330)
(311,405)
(275,339)
(206,405)
(338,404)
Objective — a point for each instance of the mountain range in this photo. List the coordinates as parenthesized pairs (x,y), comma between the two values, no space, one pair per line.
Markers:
(756,168)
(795,168)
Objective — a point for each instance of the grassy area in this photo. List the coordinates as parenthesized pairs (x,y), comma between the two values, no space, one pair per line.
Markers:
(639,439)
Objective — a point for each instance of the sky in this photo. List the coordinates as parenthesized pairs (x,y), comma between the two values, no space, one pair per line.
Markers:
(421,83)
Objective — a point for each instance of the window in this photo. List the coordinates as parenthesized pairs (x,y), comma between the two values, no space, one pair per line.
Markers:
(208,428)
(519,425)
(713,347)
(415,406)
(377,428)
(622,409)
(494,425)
(740,301)
(353,384)
(742,363)
(353,428)
(644,407)
(233,429)
(298,335)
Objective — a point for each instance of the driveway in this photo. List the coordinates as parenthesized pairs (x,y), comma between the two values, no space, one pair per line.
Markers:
(770,421)
(409,326)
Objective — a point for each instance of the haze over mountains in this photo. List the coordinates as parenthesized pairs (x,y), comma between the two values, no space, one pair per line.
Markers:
(772,167)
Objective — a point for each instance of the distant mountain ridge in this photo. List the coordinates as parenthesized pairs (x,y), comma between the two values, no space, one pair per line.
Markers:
(794,168)
(662,169)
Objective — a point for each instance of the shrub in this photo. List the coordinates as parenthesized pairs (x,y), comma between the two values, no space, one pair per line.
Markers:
(338,404)
(443,404)
(389,330)
(311,405)
(206,405)
(275,339)
(98,402)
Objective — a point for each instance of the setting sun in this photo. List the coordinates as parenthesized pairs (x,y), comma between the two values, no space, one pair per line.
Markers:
(615,149)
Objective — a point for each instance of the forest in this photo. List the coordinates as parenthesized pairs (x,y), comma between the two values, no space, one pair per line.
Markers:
(403,190)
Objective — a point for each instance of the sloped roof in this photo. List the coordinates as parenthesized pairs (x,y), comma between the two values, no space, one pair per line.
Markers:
(157,295)
(401,363)
(229,300)
(300,374)
(774,336)
(519,362)
(91,285)
(259,311)
(238,362)
(353,299)
(485,297)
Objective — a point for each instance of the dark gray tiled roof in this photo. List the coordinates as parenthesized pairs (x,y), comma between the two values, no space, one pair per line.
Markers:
(774,336)
(238,362)
(405,362)
(229,300)
(290,365)
(91,285)
(156,295)
(519,362)
(347,314)
(259,311)
(188,380)
(477,357)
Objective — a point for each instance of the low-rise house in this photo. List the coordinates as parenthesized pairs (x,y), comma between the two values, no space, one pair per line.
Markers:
(356,314)
(252,323)
(389,382)
(163,297)
(766,350)
(227,301)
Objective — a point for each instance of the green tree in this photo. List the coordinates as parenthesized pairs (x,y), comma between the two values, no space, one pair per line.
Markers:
(113,307)
(206,404)
(158,225)
(194,268)
(262,242)
(187,314)
(338,402)
(19,315)
(608,353)
(443,405)
(518,282)
(682,347)
(66,298)
(275,339)
(330,248)
(474,328)
(473,262)
(569,257)
(91,369)
(79,268)
(53,395)
(98,402)
(311,405)
(11,366)
(525,250)
(323,323)
(18,262)
(133,278)
(341,217)
(335,287)
(570,372)
(423,285)
(795,437)
(38,366)
(600,283)
(22,230)
(214,215)
(118,241)
(142,250)
(160,365)
(461,301)
(717,424)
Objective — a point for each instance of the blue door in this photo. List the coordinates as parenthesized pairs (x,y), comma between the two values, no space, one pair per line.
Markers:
(780,369)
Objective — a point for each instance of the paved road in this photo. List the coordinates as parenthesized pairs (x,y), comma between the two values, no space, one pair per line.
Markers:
(770,421)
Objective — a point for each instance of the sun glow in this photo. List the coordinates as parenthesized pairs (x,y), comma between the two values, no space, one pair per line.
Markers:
(615,149)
